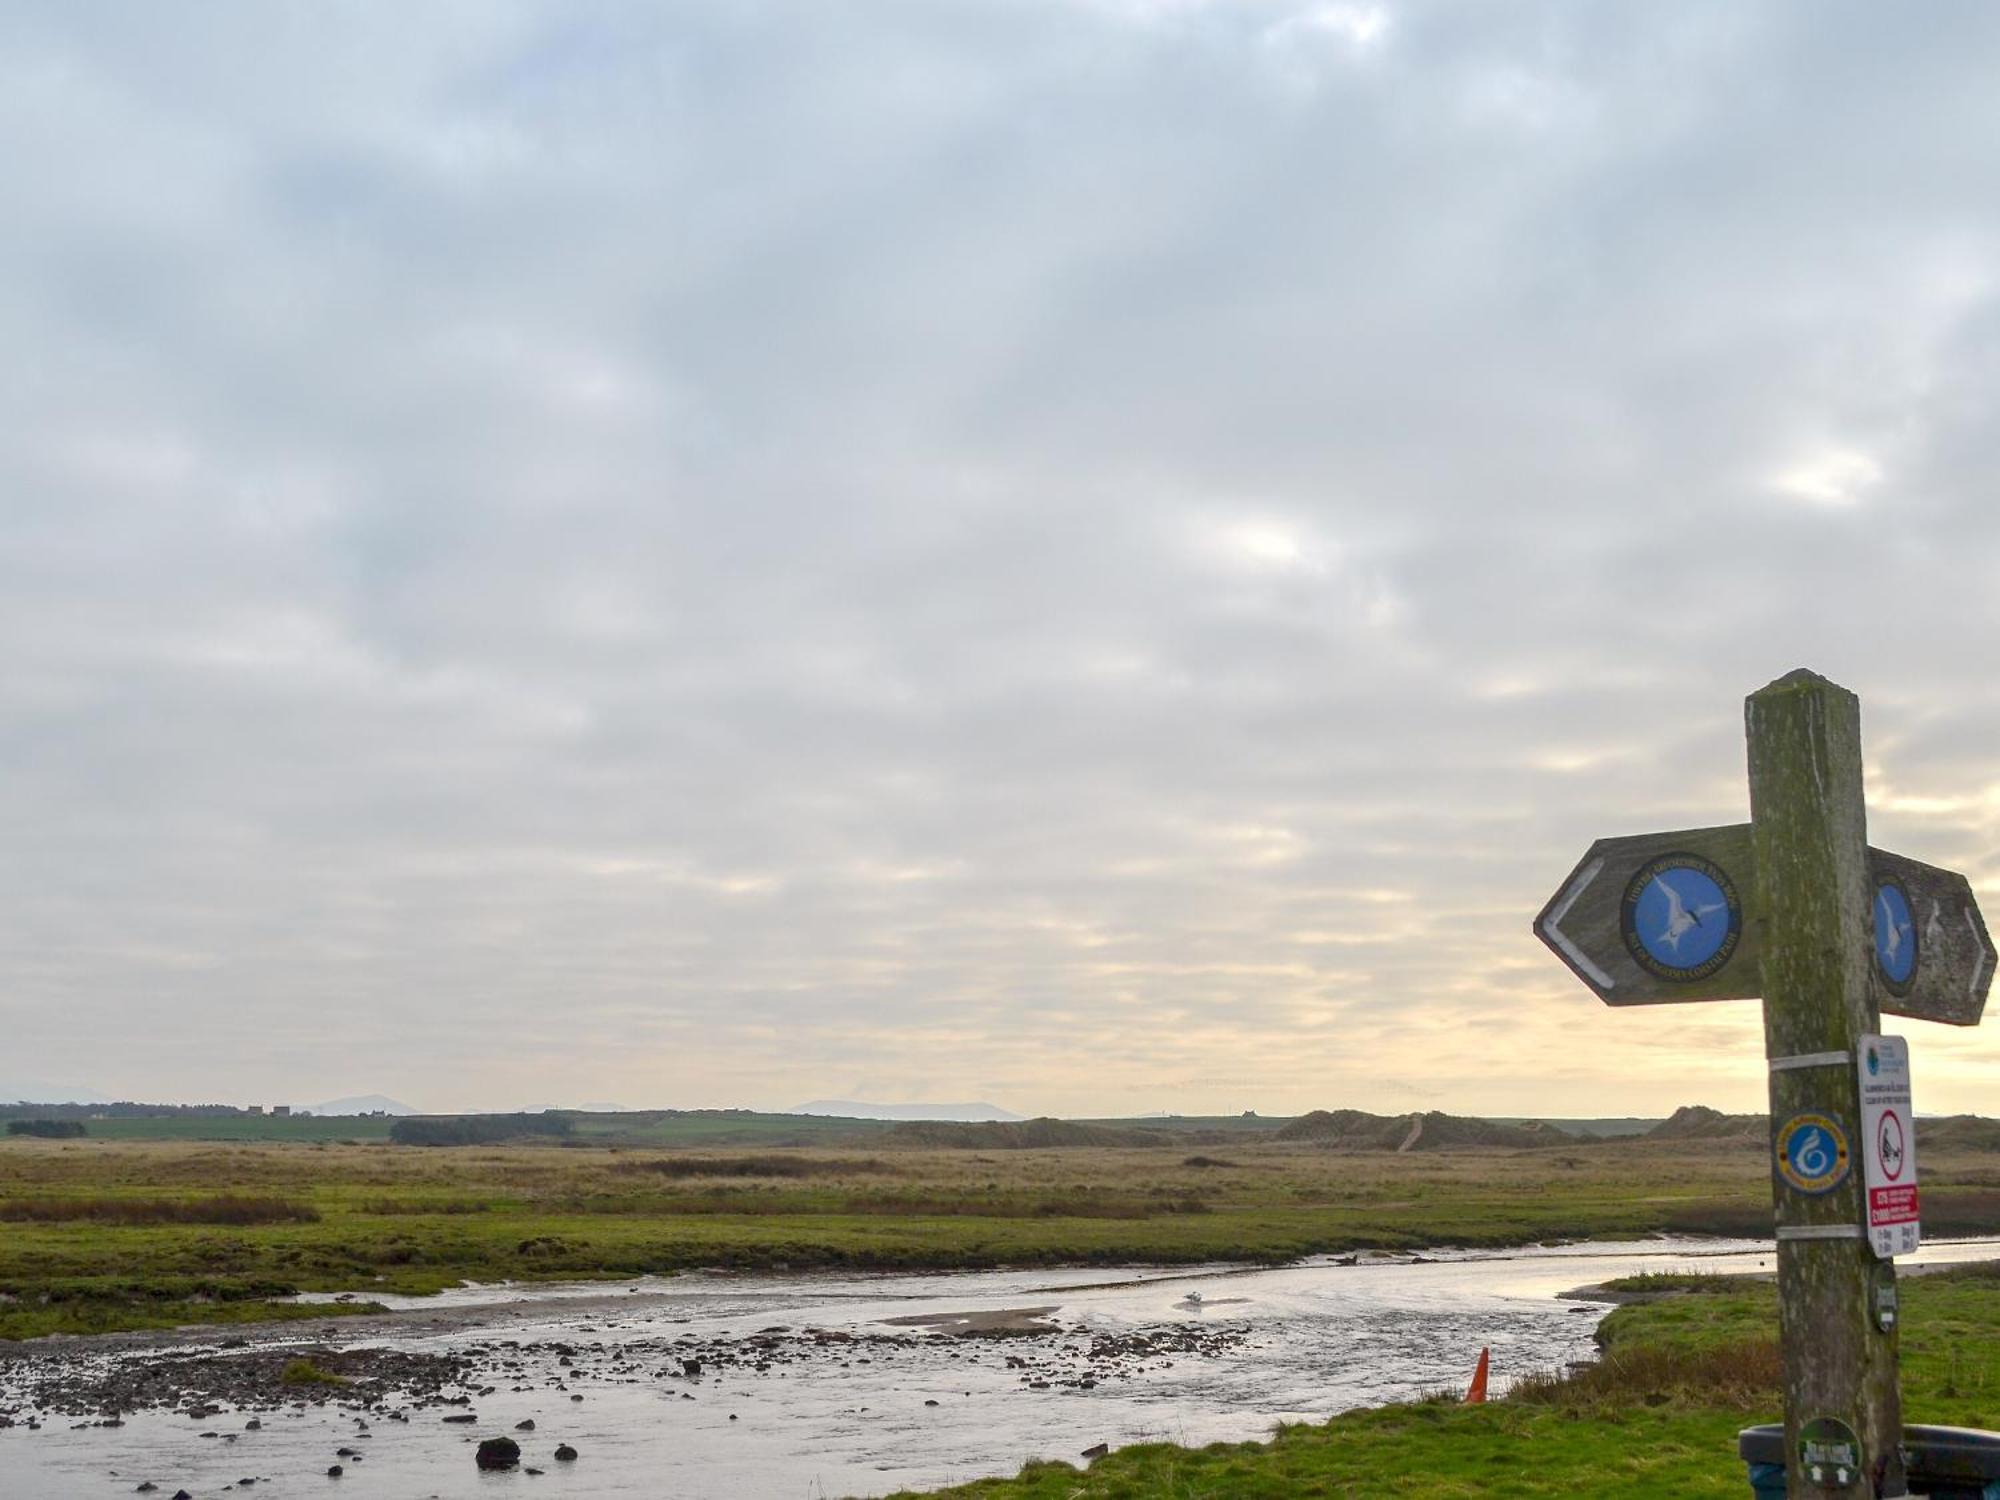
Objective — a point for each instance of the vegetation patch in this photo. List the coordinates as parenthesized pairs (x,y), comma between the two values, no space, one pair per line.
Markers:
(1674,1283)
(221,1208)
(768,1164)
(1017,1135)
(1744,1375)
(112,1306)
(477,1130)
(308,1372)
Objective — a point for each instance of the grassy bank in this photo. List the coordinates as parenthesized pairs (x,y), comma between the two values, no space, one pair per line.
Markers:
(90,1227)
(1656,1419)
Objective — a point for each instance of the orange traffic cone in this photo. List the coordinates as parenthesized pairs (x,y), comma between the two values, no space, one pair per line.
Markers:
(1478,1388)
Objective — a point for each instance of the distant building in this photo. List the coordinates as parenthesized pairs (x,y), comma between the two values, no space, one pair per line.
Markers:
(254,1109)
(281,1111)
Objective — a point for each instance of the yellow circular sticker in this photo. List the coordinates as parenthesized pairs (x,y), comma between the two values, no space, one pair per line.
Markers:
(1812,1153)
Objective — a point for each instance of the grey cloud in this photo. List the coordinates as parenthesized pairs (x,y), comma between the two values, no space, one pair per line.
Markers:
(1007,550)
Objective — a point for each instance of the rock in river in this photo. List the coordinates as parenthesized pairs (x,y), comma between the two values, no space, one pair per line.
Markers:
(498,1453)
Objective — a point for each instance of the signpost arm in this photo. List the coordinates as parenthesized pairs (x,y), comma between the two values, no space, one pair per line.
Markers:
(1809,832)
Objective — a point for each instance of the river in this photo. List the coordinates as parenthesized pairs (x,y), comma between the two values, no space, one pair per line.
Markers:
(900,1406)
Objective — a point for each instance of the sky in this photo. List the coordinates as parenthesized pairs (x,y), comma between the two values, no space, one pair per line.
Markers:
(1099,555)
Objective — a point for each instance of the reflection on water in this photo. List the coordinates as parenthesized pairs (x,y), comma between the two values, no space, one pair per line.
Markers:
(1316,1338)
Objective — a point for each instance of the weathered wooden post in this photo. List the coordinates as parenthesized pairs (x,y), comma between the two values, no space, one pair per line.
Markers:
(1809,838)
(1795,907)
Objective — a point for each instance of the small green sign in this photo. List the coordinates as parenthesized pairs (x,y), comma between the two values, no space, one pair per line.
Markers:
(1829,1452)
(1882,1294)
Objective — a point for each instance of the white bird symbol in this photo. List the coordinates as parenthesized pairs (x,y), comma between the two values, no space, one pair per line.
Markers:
(1892,944)
(1681,921)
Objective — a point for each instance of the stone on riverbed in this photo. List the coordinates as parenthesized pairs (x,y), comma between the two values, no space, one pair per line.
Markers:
(498,1453)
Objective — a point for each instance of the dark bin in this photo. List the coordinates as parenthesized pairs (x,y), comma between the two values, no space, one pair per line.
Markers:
(1944,1463)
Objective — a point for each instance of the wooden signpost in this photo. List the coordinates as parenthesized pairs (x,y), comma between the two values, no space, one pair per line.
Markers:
(1794,908)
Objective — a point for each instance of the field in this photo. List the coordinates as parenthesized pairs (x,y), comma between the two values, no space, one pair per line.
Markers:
(100,1235)
(295,1129)
(1655,1420)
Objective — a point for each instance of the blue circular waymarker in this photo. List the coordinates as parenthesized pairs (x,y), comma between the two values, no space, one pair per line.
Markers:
(1895,935)
(1681,917)
(1812,1153)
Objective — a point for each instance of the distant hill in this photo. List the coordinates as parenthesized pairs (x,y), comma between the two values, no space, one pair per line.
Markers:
(1958,1133)
(1697,1122)
(1429,1131)
(854,1109)
(363,1104)
(1596,1129)
(1014,1135)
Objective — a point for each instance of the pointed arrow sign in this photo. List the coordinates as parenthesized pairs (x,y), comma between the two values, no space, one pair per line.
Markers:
(1933,958)
(1660,918)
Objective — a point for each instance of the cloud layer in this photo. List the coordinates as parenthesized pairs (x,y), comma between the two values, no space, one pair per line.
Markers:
(1104,556)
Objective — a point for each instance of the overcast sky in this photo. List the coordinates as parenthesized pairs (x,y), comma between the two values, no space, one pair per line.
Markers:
(1101,555)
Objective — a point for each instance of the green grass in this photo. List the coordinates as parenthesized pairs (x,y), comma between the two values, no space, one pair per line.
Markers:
(1658,1282)
(113,1306)
(1656,1419)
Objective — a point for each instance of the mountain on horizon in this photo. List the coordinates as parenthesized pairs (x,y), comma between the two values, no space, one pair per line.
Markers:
(855,1109)
(363,1104)
(39,1091)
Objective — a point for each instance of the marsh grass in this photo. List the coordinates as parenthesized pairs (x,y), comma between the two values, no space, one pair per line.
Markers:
(221,1208)
(1738,1375)
(766,1200)
(766,1164)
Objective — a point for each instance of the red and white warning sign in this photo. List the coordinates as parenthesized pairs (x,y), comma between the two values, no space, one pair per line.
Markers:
(1888,1145)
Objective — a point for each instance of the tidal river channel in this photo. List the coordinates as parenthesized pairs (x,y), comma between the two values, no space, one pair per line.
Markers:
(804,1387)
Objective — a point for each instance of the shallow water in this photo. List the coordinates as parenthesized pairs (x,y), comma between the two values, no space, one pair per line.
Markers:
(1305,1341)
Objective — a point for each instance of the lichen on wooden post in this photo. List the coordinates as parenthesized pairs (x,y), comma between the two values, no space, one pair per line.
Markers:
(1809,830)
